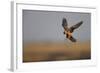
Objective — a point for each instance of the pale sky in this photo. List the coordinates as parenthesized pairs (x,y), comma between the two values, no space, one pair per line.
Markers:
(47,25)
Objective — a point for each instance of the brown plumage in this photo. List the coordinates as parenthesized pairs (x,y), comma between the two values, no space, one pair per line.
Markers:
(68,31)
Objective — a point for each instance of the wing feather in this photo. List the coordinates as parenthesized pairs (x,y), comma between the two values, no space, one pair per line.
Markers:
(76,26)
(64,23)
(71,38)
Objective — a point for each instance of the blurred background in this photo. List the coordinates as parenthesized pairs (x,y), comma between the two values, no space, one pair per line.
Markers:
(43,38)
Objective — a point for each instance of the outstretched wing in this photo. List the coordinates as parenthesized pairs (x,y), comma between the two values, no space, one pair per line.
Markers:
(64,23)
(75,26)
(71,38)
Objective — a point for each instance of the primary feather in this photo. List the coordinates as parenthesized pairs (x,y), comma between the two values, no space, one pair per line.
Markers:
(75,26)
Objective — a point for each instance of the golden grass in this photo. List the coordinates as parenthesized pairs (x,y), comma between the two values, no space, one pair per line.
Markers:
(54,51)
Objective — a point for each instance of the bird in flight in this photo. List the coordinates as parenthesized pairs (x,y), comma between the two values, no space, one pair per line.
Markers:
(68,31)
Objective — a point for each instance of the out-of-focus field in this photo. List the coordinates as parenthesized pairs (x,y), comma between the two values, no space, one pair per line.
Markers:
(55,51)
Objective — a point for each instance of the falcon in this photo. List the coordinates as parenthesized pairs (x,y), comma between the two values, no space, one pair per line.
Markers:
(68,31)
